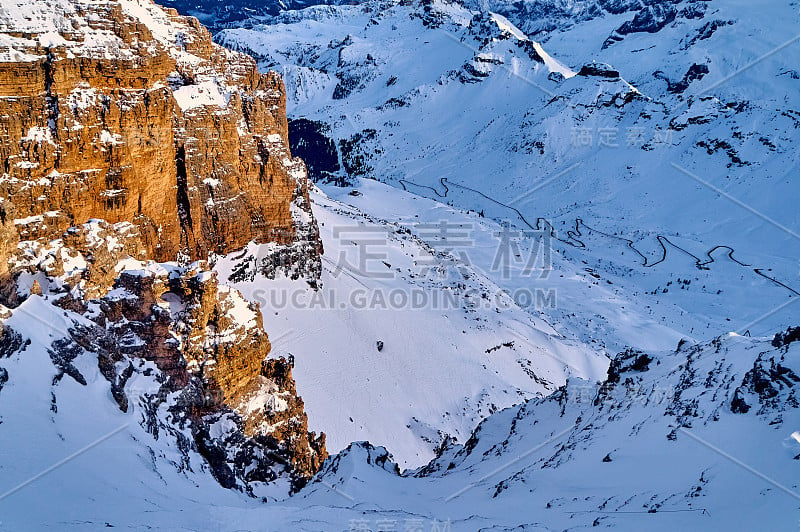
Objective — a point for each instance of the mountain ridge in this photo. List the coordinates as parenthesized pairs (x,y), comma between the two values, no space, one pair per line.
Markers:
(134,151)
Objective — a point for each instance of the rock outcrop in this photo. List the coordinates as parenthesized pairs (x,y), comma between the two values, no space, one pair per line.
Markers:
(210,345)
(133,150)
(123,111)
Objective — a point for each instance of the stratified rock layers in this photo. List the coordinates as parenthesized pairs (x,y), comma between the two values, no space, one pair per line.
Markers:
(128,139)
(179,136)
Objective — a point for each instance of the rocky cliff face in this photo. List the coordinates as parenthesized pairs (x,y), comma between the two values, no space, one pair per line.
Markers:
(123,111)
(130,147)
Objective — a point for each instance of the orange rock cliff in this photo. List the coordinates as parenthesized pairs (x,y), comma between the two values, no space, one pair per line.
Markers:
(123,111)
(128,136)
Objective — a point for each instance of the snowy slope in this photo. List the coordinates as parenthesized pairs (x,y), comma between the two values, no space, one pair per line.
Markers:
(443,366)
(661,449)
(47,416)
(454,347)
(658,446)
(464,108)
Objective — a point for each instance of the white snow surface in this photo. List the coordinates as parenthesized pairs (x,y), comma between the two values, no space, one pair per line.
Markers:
(443,366)
(207,92)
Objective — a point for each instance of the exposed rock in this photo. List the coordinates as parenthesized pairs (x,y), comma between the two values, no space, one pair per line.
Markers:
(299,260)
(211,346)
(8,244)
(629,361)
(783,339)
(695,72)
(127,112)
(62,354)
(129,139)
(598,70)
(650,19)
(83,262)
(770,385)
(11,342)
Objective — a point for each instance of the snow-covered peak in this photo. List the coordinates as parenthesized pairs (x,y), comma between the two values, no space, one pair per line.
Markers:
(99,29)
(71,16)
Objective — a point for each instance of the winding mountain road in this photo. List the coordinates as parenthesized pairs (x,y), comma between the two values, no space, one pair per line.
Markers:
(573,235)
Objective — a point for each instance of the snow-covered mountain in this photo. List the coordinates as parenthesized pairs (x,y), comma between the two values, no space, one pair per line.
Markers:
(666,442)
(654,169)
(701,437)
(559,240)
(419,345)
(217,14)
(644,136)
